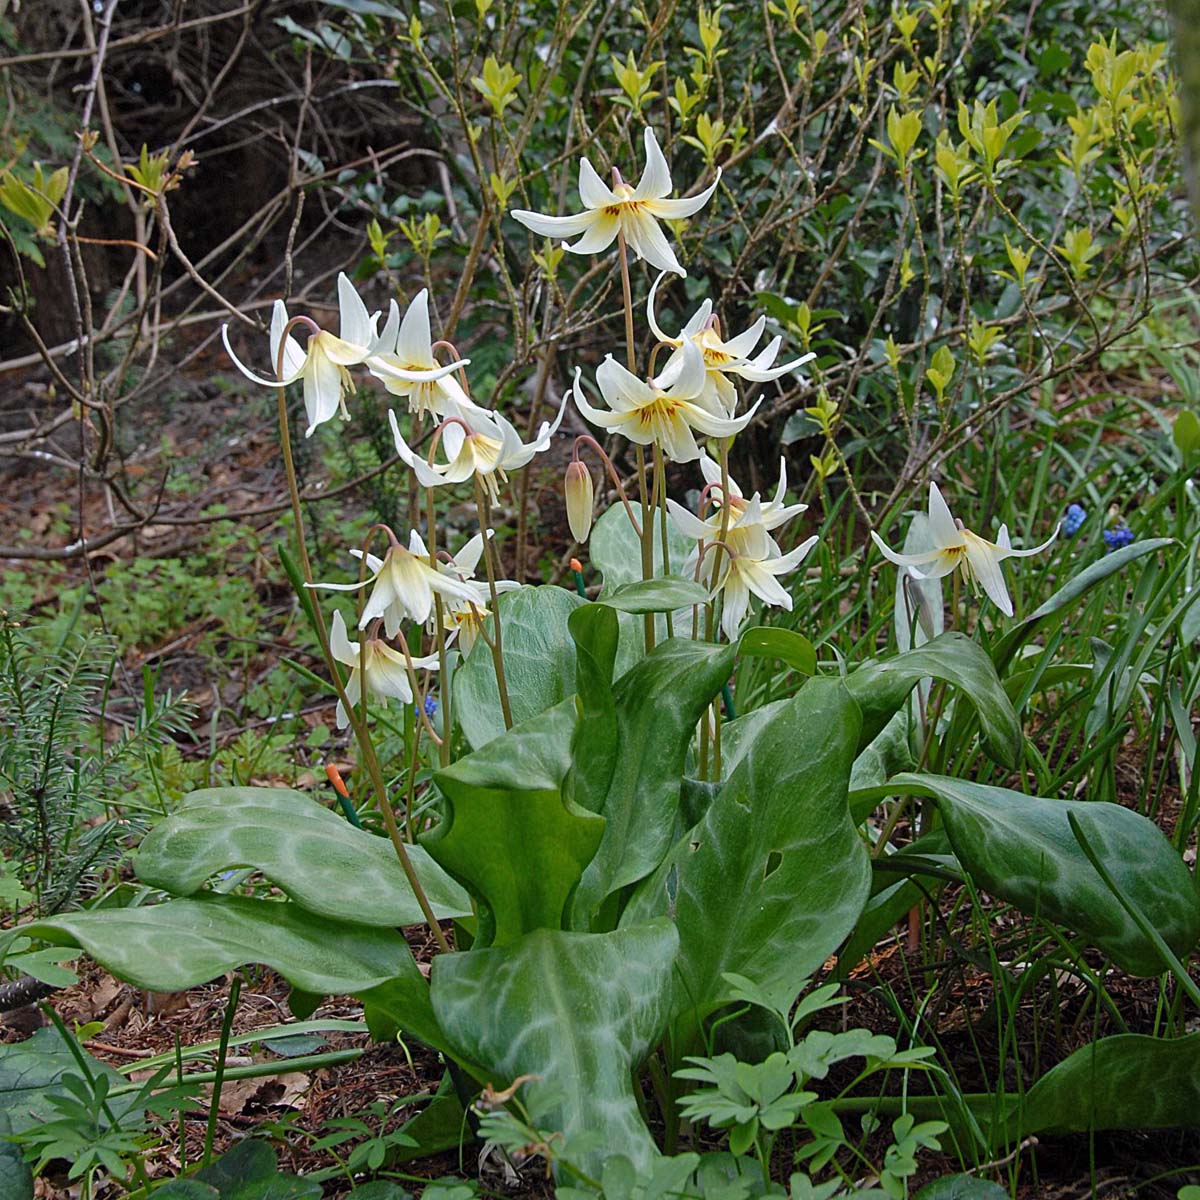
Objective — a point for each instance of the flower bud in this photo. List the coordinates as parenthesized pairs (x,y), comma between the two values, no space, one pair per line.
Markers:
(578,489)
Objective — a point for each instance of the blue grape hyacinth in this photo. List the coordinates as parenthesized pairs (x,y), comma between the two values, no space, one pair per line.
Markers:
(1076,515)
(1118,535)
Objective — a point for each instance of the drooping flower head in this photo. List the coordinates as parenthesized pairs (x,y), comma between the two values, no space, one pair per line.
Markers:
(958,548)
(652,413)
(721,358)
(380,667)
(632,211)
(405,365)
(463,618)
(404,583)
(750,562)
(477,443)
(773,513)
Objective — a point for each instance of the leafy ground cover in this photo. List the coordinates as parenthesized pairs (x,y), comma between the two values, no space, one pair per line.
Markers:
(730,842)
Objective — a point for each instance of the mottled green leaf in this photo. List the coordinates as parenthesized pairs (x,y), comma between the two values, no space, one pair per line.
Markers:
(786,645)
(320,860)
(665,594)
(962,1187)
(1021,849)
(539,663)
(509,835)
(657,705)
(175,946)
(882,687)
(616,552)
(774,877)
(31,1074)
(578,1010)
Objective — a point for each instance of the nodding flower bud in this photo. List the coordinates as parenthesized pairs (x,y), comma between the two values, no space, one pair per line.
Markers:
(578,489)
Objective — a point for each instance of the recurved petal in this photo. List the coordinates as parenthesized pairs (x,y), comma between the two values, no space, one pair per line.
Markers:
(942,528)
(414,342)
(656,178)
(554,227)
(606,420)
(705,422)
(356,326)
(688,523)
(677,210)
(245,370)
(985,567)
(322,391)
(293,356)
(598,236)
(693,375)
(762,582)
(904,560)
(651,300)
(648,241)
(621,388)
(1009,552)
(340,645)
(593,191)
(743,345)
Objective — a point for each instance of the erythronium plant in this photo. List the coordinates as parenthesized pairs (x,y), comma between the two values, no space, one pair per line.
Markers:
(607,810)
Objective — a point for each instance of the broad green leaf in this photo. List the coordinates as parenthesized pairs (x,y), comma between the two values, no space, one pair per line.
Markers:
(31,1074)
(441,1125)
(774,877)
(250,1171)
(175,946)
(1129,1081)
(882,687)
(962,1187)
(786,645)
(616,552)
(320,860)
(539,663)
(16,1179)
(578,1010)
(657,705)
(1071,591)
(655,595)
(509,835)
(1021,849)
(594,750)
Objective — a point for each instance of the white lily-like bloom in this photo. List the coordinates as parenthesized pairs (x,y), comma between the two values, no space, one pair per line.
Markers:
(324,361)
(751,562)
(477,443)
(404,585)
(957,548)
(405,364)
(463,618)
(632,211)
(382,668)
(652,413)
(721,358)
(775,512)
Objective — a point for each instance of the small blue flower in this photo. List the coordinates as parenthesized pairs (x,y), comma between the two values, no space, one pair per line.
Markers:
(431,706)
(1119,535)
(1076,515)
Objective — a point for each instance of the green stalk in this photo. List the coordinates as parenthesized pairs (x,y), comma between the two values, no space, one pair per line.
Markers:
(496,644)
(235,990)
(362,733)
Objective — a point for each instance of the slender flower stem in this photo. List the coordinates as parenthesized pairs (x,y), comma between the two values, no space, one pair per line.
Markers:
(496,643)
(362,733)
(439,632)
(631,357)
(660,499)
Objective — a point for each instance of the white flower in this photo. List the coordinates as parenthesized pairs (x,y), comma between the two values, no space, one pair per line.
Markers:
(405,365)
(404,586)
(488,447)
(774,512)
(750,562)
(463,618)
(323,362)
(721,358)
(648,412)
(633,211)
(384,669)
(957,548)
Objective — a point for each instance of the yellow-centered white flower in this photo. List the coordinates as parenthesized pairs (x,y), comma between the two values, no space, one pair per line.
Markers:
(722,358)
(632,211)
(404,585)
(382,669)
(405,365)
(477,443)
(957,548)
(323,362)
(649,413)
(774,512)
(750,562)
(463,618)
